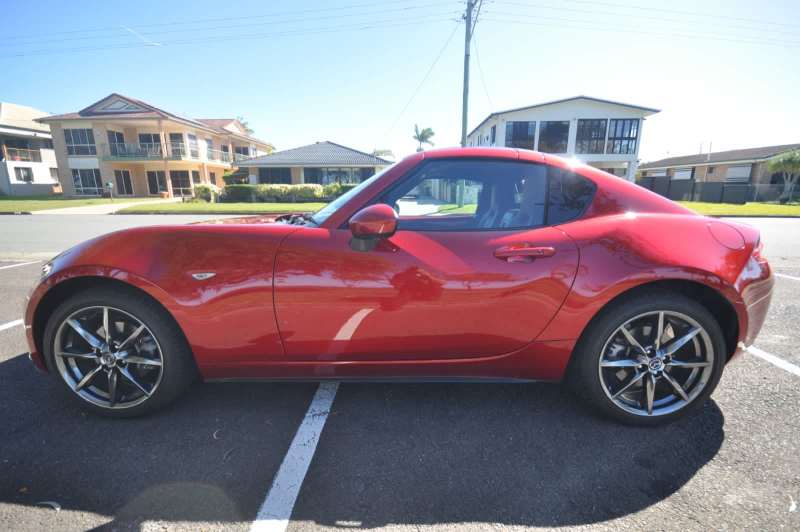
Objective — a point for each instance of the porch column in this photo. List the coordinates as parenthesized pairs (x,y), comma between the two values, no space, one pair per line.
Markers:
(630,174)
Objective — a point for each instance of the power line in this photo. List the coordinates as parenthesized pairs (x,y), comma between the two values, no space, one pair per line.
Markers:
(480,71)
(217,19)
(659,18)
(784,44)
(11,42)
(424,79)
(387,23)
(679,12)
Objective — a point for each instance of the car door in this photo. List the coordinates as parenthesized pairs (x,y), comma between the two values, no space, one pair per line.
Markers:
(472,271)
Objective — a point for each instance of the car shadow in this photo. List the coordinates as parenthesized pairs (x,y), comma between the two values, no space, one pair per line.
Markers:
(513,454)
(418,454)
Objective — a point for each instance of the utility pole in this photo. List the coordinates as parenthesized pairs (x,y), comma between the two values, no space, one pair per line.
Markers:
(468,27)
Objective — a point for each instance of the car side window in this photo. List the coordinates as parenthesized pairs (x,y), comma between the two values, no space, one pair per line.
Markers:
(568,196)
(470,195)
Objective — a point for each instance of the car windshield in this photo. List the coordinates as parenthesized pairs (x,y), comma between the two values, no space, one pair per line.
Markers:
(324,213)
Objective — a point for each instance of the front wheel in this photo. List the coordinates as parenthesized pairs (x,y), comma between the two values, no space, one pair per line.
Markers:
(117,352)
(649,359)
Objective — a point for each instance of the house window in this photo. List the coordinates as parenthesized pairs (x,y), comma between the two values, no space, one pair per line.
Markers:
(80,142)
(194,150)
(622,136)
(196,177)
(591,136)
(181,185)
(24,174)
(493,135)
(553,136)
(520,134)
(345,176)
(124,185)
(212,176)
(176,146)
(54,174)
(116,142)
(87,181)
(156,182)
(710,170)
(738,174)
(682,174)
(275,175)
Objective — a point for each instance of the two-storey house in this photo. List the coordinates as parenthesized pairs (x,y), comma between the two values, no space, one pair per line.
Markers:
(601,133)
(143,150)
(27,159)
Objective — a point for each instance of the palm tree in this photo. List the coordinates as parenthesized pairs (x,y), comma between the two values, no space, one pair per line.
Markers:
(423,137)
(788,165)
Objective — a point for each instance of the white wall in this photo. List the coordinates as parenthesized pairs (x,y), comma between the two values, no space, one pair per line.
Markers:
(566,111)
(42,179)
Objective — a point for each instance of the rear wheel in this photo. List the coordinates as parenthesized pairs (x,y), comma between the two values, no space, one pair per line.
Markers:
(649,359)
(117,352)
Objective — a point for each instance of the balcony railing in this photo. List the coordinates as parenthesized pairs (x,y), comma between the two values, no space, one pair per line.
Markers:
(131,151)
(218,155)
(240,157)
(21,154)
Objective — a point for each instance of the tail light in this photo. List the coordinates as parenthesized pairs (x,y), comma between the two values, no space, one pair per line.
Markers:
(758,252)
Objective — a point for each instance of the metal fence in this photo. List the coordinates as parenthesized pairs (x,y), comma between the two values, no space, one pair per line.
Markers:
(715,191)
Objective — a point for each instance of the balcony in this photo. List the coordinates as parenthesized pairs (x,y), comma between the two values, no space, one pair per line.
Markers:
(218,155)
(21,154)
(132,152)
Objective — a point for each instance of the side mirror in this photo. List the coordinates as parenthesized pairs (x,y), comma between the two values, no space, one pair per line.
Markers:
(371,224)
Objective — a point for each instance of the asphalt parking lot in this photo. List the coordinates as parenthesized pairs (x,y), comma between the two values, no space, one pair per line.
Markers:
(400,456)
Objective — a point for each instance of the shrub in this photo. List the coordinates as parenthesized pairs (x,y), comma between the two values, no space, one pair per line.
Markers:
(348,187)
(288,193)
(238,177)
(239,193)
(332,190)
(206,192)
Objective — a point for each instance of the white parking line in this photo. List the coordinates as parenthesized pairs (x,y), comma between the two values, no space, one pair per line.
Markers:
(783,275)
(276,510)
(20,264)
(10,324)
(777,361)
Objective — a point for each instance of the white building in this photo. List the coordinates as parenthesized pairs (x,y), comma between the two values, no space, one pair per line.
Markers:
(27,160)
(601,133)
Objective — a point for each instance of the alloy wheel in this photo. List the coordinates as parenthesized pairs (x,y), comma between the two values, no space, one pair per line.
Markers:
(108,357)
(656,363)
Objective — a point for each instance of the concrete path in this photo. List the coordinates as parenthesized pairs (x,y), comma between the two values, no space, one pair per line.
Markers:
(105,208)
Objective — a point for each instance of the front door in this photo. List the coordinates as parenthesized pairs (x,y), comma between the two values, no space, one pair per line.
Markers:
(472,271)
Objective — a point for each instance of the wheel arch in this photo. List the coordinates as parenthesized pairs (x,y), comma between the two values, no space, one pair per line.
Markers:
(73,285)
(716,303)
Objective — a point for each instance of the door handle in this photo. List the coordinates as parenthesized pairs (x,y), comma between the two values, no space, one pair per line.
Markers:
(523,252)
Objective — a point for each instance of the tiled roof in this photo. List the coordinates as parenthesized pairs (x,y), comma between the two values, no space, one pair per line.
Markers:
(148,111)
(747,154)
(318,154)
(648,110)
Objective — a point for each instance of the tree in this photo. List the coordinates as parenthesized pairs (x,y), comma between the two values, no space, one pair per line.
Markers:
(788,166)
(423,137)
(245,125)
(382,153)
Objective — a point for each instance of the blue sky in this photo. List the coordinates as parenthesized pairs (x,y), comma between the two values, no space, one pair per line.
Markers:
(300,71)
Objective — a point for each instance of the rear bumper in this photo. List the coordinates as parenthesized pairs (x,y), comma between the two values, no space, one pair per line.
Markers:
(755,285)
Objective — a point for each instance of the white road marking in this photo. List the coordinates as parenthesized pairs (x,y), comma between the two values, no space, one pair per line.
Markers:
(276,510)
(10,324)
(777,361)
(20,264)
(783,275)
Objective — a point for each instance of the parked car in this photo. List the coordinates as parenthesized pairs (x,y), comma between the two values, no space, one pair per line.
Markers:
(549,270)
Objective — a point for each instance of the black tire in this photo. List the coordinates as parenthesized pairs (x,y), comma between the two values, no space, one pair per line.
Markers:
(584,375)
(178,369)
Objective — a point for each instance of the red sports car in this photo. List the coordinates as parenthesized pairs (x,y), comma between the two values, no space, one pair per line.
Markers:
(457,264)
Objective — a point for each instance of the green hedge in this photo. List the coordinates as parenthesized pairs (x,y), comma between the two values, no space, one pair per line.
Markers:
(273,193)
